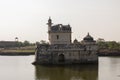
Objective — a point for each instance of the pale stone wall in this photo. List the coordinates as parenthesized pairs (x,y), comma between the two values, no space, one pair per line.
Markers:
(91,47)
(60,38)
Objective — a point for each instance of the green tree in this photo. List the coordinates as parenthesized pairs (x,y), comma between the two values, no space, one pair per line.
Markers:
(19,44)
(113,45)
(102,45)
(26,43)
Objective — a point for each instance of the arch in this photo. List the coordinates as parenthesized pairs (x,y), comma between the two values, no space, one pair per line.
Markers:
(61,58)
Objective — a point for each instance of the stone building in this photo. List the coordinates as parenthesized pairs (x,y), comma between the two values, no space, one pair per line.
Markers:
(61,49)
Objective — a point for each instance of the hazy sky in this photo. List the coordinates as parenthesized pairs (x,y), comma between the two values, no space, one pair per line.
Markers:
(26,19)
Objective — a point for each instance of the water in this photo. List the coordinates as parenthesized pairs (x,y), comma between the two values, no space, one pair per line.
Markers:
(20,68)
(16,68)
(109,68)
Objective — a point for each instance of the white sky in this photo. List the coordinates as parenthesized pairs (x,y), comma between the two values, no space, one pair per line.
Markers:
(26,19)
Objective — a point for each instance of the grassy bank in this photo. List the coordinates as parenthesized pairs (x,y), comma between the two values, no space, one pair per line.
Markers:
(5,51)
(29,50)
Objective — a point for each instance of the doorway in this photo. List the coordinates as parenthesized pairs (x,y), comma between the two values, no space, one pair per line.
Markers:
(61,58)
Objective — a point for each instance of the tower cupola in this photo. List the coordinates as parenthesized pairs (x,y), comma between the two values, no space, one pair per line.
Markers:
(49,24)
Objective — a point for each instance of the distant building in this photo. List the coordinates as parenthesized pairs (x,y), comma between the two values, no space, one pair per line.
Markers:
(62,50)
(6,44)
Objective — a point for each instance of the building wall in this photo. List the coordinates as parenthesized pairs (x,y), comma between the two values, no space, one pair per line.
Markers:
(45,55)
(60,38)
(4,44)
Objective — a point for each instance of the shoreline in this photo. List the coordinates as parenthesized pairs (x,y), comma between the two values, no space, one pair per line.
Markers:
(109,54)
(106,52)
(16,53)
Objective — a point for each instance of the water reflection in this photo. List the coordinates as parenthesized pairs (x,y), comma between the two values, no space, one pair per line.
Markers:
(83,72)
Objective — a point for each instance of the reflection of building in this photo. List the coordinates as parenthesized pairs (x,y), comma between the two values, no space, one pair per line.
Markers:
(83,72)
(61,50)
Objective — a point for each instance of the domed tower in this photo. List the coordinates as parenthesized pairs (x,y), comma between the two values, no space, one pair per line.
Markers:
(90,44)
(59,34)
(88,39)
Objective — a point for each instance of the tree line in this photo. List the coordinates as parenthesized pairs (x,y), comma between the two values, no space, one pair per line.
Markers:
(110,45)
(27,43)
(23,44)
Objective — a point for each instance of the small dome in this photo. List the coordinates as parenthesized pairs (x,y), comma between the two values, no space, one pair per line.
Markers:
(88,38)
(75,41)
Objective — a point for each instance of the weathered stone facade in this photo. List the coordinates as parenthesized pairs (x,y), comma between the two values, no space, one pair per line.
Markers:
(62,51)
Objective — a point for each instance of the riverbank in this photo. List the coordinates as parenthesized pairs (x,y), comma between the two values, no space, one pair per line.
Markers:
(16,53)
(31,51)
(23,51)
(106,52)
